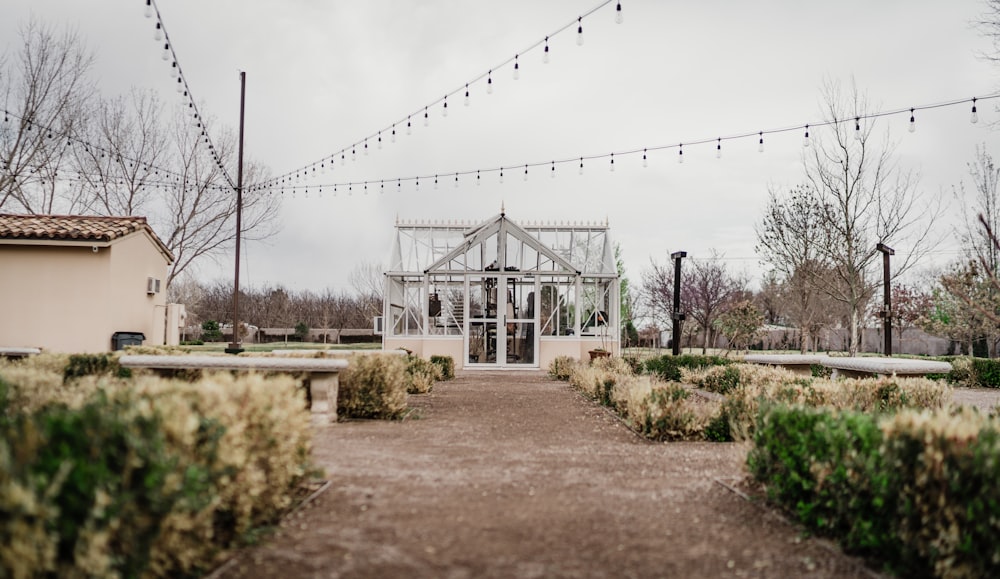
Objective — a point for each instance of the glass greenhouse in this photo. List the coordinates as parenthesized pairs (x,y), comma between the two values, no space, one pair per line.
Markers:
(499,294)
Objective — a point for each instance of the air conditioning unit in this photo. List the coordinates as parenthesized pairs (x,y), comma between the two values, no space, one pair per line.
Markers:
(152,285)
(377,326)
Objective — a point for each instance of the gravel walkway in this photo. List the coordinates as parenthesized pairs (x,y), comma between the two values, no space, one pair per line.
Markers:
(514,475)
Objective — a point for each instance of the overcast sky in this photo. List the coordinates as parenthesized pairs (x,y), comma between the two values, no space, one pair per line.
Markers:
(323,75)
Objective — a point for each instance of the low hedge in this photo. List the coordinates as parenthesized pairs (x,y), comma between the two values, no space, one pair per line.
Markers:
(373,386)
(916,490)
(102,476)
(446,366)
(668,367)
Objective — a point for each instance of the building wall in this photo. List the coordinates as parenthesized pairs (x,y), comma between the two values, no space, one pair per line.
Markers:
(134,259)
(69,298)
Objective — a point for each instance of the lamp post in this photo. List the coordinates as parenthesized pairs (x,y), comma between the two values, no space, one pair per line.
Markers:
(887,297)
(235,345)
(677,317)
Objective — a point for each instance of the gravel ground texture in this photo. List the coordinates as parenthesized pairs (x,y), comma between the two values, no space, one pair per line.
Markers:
(510,474)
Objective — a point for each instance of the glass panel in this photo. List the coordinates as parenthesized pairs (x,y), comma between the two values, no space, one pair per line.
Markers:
(557,306)
(482,342)
(406,307)
(596,303)
(446,306)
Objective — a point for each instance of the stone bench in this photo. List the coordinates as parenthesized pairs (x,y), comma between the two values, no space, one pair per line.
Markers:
(335,353)
(798,363)
(14,353)
(322,372)
(860,367)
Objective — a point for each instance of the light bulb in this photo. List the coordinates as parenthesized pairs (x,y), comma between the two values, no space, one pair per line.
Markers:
(426,120)
(180,85)
(166,52)
(913,122)
(366,147)
(478,180)
(173,70)
(805,139)
(380,140)
(354,154)
(393,137)
(857,128)
(680,154)
(158,35)
(552,173)
(501,175)
(517,71)
(645,162)
(718,149)
(435,182)
(545,53)
(444,108)
(612,163)
(581,165)
(409,127)
(974,118)
(343,159)
(149,8)
(760,144)
(579,31)
(619,18)
(456,180)
(489,83)
(525,172)
(466,95)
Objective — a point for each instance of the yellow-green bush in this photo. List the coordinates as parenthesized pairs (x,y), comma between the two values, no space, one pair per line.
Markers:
(373,386)
(420,375)
(667,411)
(561,367)
(105,477)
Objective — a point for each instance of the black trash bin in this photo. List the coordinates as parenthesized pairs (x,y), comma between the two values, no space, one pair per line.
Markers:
(121,339)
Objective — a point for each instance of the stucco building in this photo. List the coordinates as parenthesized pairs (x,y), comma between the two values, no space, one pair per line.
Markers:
(499,294)
(69,283)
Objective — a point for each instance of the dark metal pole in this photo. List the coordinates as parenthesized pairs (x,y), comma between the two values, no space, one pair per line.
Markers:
(887,297)
(677,316)
(234,347)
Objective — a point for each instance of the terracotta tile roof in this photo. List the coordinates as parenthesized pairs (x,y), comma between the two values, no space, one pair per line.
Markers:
(74,228)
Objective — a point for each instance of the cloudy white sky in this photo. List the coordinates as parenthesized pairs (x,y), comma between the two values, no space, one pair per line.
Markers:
(324,75)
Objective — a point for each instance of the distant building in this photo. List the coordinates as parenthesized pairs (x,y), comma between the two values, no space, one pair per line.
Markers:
(73,283)
(499,294)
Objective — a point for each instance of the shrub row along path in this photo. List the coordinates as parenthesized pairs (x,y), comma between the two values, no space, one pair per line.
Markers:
(515,475)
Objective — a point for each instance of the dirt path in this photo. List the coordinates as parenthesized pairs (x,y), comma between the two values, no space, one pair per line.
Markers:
(514,475)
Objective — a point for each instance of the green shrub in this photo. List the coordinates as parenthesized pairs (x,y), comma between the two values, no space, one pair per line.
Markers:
(420,375)
(94,365)
(446,364)
(820,371)
(192,343)
(669,413)
(373,386)
(210,331)
(561,367)
(915,489)
(986,372)
(669,367)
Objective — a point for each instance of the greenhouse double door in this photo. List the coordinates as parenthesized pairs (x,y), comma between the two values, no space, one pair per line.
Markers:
(501,328)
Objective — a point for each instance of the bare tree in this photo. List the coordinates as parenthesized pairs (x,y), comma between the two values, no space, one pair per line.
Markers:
(368,280)
(791,238)
(865,199)
(44,89)
(708,291)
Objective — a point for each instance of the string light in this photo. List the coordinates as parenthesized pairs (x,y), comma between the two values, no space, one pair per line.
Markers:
(409,127)
(456,180)
(805,139)
(975,116)
(149,8)
(680,153)
(393,137)
(581,165)
(579,31)
(525,172)
(466,94)
(545,53)
(517,72)
(158,35)
(913,122)
(444,107)
(760,144)
(619,18)
(501,175)
(857,128)
(552,173)
(718,148)
(489,82)
(426,120)
(478,179)
(612,162)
